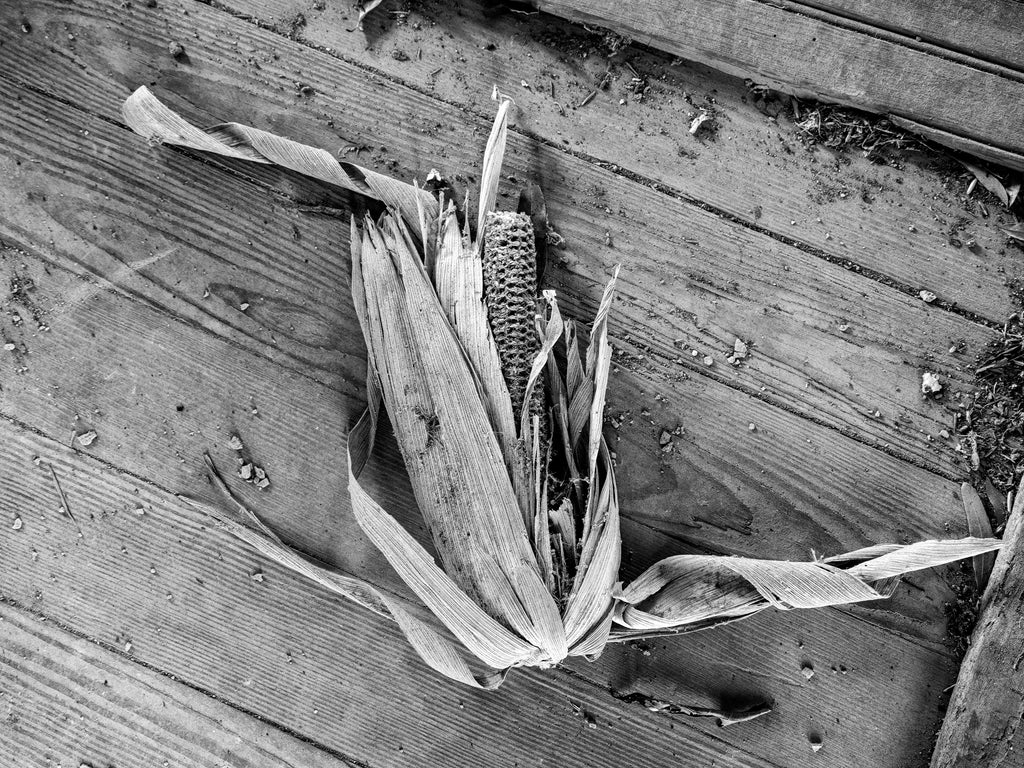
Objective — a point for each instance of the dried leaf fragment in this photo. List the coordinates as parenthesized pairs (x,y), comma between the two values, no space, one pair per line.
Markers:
(979,526)
(1015,232)
(364,10)
(988,181)
(87,438)
(702,117)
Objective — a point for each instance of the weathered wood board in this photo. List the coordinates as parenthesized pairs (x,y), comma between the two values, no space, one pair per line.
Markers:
(182,301)
(872,64)
(150,572)
(983,722)
(74,702)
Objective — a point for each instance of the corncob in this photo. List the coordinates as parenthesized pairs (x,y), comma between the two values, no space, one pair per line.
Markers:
(509,593)
(510,292)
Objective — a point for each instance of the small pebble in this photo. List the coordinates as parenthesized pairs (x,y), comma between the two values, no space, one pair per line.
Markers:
(235,443)
(944,434)
(243,306)
(10,346)
(927,297)
(709,360)
(128,647)
(16,525)
(257,576)
(665,438)
(807,671)
(176,49)
(752,427)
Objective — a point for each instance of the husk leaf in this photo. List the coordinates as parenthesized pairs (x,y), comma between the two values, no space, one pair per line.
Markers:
(519,583)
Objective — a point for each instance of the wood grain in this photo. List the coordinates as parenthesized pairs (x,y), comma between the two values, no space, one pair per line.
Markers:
(754,168)
(902,222)
(119,246)
(70,701)
(779,45)
(985,31)
(170,591)
(826,492)
(790,304)
(983,722)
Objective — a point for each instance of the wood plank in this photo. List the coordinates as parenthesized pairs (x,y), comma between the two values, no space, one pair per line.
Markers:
(983,722)
(825,492)
(790,304)
(985,31)
(71,701)
(753,169)
(784,47)
(900,222)
(328,672)
(131,425)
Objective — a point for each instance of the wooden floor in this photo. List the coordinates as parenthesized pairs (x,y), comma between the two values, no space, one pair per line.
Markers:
(166,302)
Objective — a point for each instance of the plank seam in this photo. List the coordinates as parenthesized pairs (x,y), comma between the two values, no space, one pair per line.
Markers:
(18,606)
(639,523)
(891,35)
(673,363)
(618,170)
(8,242)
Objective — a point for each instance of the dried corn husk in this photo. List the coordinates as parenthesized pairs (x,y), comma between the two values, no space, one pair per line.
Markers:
(521,501)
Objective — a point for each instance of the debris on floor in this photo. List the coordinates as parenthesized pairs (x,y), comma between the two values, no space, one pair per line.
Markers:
(248,470)
(86,439)
(930,384)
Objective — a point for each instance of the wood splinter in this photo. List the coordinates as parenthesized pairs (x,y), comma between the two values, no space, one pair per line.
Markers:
(983,721)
